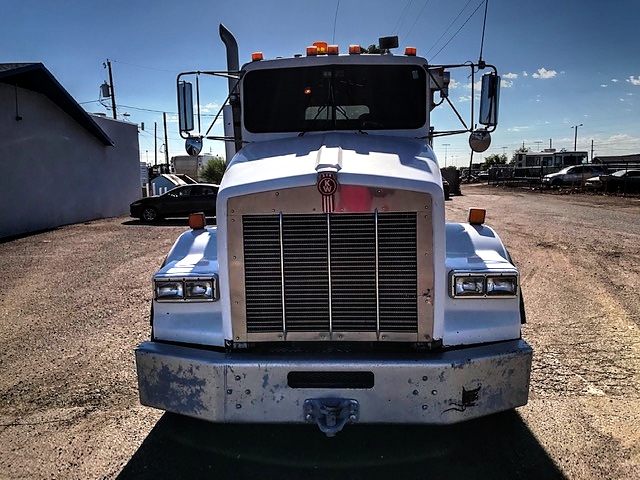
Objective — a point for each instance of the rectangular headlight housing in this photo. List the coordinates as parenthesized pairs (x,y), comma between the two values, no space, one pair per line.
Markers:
(186,289)
(480,285)
(169,290)
(502,286)
(468,285)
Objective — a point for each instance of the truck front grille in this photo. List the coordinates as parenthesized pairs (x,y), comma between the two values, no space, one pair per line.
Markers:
(330,273)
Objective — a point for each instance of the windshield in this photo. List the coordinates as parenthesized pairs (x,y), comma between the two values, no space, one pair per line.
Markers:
(335,97)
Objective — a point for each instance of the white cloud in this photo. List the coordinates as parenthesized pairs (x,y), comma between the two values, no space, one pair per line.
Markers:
(614,80)
(477,86)
(544,74)
(464,98)
(453,84)
(506,83)
(633,80)
(621,137)
(525,74)
(510,75)
(604,86)
(209,108)
(517,129)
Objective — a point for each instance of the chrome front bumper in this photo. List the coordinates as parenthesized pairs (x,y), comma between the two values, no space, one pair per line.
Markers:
(429,388)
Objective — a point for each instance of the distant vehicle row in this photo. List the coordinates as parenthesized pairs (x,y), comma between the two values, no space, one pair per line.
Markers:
(620,181)
(573,175)
(594,177)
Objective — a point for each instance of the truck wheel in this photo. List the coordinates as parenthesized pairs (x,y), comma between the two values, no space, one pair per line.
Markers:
(149,214)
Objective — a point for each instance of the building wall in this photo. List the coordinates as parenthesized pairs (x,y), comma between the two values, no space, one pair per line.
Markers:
(53,172)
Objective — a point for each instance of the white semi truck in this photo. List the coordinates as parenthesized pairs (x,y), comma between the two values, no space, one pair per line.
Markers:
(332,291)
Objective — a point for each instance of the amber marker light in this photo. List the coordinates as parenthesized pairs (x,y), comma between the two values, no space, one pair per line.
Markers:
(312,51)
(197,221)
(333,49)
(411,51)
(476,216)
(322,47)
(354,49)
(256,56)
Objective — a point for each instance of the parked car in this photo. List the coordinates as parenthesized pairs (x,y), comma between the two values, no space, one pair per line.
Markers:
(620,181)
(177,202)
(573,175)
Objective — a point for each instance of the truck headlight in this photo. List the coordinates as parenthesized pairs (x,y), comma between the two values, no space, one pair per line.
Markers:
(502,286)
(186,289)
(474,284)
(199,289)
(168,290)
(468,286)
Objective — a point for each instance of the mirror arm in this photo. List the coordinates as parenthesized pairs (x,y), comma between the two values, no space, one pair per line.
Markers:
(217,115)
(453,107)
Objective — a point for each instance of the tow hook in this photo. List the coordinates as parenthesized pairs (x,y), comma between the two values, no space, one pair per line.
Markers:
(331,414)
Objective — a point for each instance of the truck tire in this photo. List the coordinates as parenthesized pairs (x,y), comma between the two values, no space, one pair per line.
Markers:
(149,214)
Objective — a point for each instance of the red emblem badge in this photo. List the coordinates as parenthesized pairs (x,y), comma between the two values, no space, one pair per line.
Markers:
(327,186)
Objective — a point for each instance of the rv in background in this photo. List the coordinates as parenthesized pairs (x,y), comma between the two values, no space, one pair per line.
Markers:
(550,158)
(190,165)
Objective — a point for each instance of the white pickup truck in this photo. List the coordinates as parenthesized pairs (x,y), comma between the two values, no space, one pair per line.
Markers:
(332,291)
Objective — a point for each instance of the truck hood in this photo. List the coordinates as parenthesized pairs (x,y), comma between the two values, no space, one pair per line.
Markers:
(358,159)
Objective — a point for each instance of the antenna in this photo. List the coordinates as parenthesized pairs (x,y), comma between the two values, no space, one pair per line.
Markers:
(481,63)
(335,20)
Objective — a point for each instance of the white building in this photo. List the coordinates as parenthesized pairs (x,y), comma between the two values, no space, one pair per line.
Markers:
(58,164)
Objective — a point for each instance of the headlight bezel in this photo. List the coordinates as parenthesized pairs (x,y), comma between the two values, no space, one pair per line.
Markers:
(470,284)
(186,289)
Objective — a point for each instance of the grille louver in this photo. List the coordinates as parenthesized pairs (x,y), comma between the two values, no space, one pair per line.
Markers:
(352,272)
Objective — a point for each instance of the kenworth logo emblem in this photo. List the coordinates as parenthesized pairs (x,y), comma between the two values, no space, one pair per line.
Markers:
(327,186)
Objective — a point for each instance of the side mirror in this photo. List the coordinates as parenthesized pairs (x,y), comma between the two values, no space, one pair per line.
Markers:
(193,146)
(479,140)
(185,106)
(489,99)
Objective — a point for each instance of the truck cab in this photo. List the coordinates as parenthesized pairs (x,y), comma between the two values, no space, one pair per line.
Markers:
(331,290)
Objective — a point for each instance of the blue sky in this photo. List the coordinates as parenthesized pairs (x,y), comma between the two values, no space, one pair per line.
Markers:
(563,62)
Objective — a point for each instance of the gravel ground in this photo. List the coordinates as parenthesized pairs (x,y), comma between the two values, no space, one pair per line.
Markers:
(74,303)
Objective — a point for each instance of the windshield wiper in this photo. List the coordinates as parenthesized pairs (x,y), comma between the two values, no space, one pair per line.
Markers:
(310,122)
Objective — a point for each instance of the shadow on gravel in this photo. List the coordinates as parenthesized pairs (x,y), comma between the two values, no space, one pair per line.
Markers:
(496,447)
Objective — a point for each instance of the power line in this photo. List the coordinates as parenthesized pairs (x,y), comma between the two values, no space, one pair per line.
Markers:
(459,29)
(147,109)
(144,67)
(417,18)
(403,15)
(450,25)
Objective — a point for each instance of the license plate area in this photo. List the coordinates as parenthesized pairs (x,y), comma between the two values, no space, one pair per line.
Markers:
(329,380)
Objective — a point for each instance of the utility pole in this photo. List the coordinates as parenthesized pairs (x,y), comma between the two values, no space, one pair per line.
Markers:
(592,150)
(155,142)
(575,137)
(166,139)
(112,91)
(445,145)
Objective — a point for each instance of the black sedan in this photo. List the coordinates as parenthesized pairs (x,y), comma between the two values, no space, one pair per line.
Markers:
(177,202)
(620,181)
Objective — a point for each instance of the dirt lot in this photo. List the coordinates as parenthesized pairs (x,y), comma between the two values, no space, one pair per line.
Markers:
(74,304)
